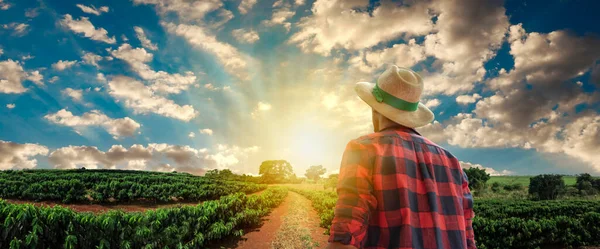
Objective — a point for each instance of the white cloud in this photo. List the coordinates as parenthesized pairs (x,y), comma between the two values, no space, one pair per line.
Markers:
(335,23)
(62,65)
(92,9)
(467,99)
(19,29)
(19,156)
(117,127)
(85,27)
(151,157)
(260,107)
(35,77)
(139,32)
(76,95)
(246,5)
(10,106)
(142,99)
(245,36)
(403,55)
(100,77)
(432,103)
(192,135)
(27,57)
(280,17)
(1,51)
(232,60)
(53,79)
(138,59)
(206,131)
(192,10)
(11,77)
(32,13)
(3,5)
(492,172)
(91,59)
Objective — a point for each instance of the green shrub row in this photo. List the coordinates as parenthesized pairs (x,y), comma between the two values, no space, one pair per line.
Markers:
(511,224)
(27,226)
(113,185)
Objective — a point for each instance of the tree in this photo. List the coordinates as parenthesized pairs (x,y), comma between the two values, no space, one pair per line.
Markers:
(584,184)
(331,181)
(275,171)
(315,172)
(477,178)
(546,187)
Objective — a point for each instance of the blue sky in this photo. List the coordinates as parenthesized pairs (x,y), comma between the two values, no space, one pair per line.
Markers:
(196,85)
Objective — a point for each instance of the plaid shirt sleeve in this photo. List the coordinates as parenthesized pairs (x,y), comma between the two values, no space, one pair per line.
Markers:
(468,212)
(355,196)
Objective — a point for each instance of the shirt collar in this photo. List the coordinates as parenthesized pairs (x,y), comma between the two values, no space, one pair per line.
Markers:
(402,128)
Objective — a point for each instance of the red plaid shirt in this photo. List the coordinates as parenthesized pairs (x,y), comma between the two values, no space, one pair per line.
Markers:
(399,190)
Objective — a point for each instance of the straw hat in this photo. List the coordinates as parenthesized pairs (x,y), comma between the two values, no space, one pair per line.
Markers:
(396,96)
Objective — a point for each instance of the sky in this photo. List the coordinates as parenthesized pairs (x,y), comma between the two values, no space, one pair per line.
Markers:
(192,86)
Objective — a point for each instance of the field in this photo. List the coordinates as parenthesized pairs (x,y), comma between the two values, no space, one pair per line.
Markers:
(132,209)
(524,180)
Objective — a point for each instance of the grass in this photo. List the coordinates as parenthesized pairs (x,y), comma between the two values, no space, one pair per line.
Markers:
(293,233)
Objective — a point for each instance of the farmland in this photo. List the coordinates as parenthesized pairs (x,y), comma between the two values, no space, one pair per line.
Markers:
(226,212)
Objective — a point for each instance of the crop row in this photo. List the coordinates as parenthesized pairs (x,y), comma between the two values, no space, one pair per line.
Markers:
(115,186)
(27,226)
(511,224)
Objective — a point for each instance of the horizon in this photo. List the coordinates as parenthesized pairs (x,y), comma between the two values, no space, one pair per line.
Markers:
(190,86)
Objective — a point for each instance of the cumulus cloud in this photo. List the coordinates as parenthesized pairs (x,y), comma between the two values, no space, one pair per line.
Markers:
(402,55)
(85,27)
(32,13)
(121,127)
(10,106)
(19,29)
(53,79)
(206,131)
(468,36)
(3,5)
(138,59)
(19,156)
(150,157)
(100,77)
(76,95)
(187,10)
(432,103)
(35,77)
(260,107)
(146,43)
(192,135)
(245,36)
(232,60)
(280,17)
(92,9)
(337,24)
(11,77)
(467,99)
(142,99)
(246,5)
(492,172)
(62,65)
(91,59)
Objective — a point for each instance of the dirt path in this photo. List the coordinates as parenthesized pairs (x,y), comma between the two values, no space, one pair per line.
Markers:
(293,224)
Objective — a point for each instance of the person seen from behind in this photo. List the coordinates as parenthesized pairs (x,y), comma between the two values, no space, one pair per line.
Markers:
(396,188)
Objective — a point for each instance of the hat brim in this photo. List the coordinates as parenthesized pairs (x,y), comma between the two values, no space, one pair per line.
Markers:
(421,117)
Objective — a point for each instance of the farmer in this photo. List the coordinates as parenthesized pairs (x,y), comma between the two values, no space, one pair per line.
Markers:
(396,188)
